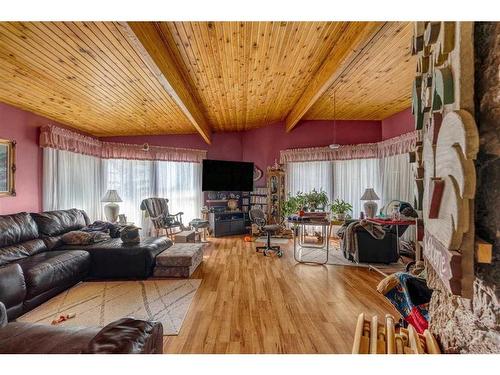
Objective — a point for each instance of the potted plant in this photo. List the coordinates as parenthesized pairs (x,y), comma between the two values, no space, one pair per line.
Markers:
(289,206)
(316,200)
(340,208)
(293,204)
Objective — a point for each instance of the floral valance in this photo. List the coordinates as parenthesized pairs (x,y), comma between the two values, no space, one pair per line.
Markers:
(67,140)
(392,146)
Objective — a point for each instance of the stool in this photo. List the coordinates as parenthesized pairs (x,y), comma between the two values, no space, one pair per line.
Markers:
(180,260)
(200,224)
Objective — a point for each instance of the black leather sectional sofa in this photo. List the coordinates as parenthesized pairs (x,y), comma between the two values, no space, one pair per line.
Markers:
(35,265)
(124,336)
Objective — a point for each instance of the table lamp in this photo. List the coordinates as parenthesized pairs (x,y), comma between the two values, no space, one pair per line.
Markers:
(370,206)
(112,209)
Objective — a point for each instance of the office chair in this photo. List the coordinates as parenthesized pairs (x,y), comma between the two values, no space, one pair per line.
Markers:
(258,218)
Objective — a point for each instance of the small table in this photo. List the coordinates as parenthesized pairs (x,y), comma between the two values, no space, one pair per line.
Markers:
(200,224)
(396,223)
(299,231)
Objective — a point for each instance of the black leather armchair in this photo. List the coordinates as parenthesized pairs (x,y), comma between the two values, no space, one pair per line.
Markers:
(372,250)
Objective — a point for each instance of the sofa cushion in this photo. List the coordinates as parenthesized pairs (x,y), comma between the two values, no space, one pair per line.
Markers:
(12,286)
(123,336)
(53,223)
(53,268)
(17,228)
(12,253)
(3,315)
(128,336)
(78,237)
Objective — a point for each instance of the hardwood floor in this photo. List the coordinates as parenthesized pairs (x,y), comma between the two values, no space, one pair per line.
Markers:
(248,303)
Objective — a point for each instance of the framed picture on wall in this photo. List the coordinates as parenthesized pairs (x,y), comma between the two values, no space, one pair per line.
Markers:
(7,167)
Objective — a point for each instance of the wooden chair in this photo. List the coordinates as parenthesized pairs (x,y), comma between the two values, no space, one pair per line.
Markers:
(157,210)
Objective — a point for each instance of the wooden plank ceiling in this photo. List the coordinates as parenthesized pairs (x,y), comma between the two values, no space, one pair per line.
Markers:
(85,75)
(110,78)
(376,84)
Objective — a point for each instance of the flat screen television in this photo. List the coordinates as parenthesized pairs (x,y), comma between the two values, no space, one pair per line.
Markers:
(220,175)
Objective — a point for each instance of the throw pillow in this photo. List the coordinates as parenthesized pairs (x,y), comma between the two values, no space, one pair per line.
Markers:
(79,237)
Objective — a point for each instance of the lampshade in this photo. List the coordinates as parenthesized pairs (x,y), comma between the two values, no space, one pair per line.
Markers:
(111,196)
(370,195)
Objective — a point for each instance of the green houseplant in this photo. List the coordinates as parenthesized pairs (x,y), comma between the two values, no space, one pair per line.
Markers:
(293,204)
(316,200)
(340,208)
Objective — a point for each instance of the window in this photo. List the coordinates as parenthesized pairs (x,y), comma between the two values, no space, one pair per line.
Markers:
(352,177)
(134,181)
(72,180)
(305,176)
(343,179)
(181,184)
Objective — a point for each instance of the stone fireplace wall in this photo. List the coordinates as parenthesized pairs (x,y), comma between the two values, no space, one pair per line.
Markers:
(463,325)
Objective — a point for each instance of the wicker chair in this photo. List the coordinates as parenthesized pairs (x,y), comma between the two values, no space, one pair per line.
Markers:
(157,210)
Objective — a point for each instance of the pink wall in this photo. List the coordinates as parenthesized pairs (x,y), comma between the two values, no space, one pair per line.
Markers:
(224,146)
(400,123)
(22,127)
(262,145)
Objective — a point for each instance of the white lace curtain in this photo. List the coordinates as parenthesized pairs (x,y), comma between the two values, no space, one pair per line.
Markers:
(306,176)
(134,180)
(352,177)
(391,177)
(72,180)
(181,184)
(398,181)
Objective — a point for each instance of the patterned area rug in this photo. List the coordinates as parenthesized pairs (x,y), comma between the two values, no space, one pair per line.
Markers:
(99,303)
(277,241)
(335,257)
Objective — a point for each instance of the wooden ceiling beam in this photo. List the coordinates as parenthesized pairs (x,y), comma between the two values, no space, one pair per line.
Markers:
(149,44)
(354,40)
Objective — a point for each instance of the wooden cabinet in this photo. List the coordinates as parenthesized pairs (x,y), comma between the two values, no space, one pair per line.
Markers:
(276,195)
(227,223)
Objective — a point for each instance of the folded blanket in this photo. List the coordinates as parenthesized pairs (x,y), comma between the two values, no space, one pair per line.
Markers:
(103,226)
(376,230)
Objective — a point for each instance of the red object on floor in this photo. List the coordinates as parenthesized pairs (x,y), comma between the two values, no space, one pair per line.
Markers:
(247,239)
(63,318)
(417,320)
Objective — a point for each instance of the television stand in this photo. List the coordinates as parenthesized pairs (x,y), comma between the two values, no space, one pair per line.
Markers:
(227,223)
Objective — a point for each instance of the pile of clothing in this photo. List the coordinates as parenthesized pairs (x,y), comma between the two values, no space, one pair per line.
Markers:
(105,227)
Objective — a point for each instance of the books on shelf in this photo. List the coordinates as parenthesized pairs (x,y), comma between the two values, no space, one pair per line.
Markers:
(256,198)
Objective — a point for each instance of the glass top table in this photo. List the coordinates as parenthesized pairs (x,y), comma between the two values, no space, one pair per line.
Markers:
(300,246)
